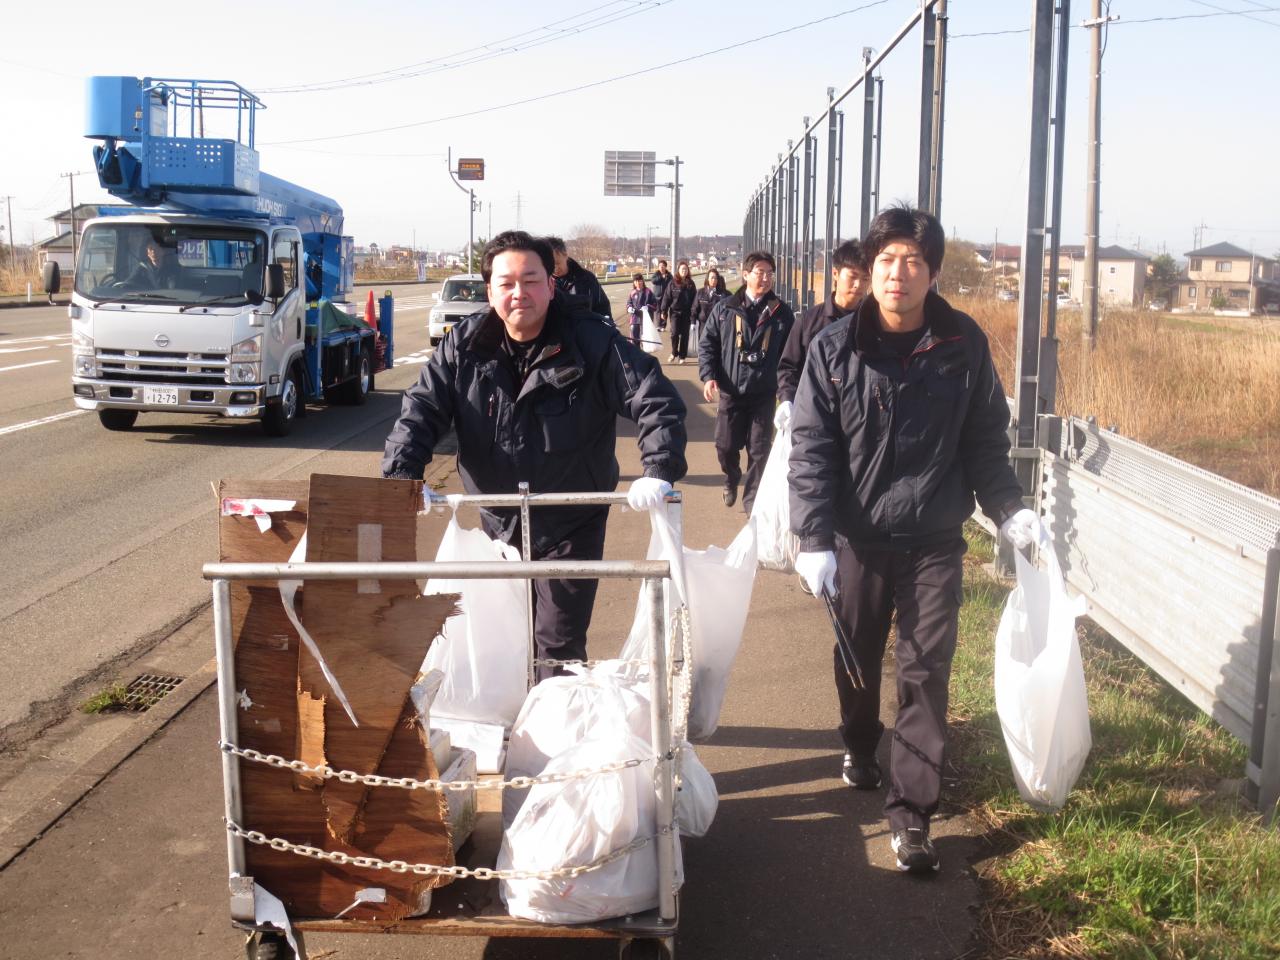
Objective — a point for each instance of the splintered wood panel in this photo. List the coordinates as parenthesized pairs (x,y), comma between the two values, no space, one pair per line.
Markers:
(267,651)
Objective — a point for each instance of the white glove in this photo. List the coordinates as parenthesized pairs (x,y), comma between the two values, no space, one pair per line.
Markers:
(646,492)
(782,416)
(818,572)
(1021,528)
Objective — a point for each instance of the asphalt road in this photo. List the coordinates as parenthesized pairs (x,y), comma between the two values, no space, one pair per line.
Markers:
(105,533)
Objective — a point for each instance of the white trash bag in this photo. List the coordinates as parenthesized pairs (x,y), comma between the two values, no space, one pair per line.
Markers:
(577,822)
(716,583)
(561,712)
(483,652)
(697,798)
(650,335)
(777,545)
(1039,682)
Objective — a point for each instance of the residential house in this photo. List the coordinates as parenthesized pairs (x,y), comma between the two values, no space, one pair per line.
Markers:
(1225,277)
(58,248)
(1122,276)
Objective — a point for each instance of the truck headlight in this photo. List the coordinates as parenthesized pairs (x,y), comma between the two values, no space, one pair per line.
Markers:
(245,373)
(247,351)
(86,365)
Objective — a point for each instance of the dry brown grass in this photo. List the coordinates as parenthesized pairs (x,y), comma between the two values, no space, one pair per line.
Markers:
(1205,390)
(14,277)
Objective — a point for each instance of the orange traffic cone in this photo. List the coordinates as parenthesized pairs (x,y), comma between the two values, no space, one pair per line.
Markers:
(369,316)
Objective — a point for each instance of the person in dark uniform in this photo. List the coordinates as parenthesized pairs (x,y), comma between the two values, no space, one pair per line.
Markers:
(533,389)
(738,357)
(576,283)
(677,309)
(849,282)
(713,291)
(640,300)
(899,424)
(660,279)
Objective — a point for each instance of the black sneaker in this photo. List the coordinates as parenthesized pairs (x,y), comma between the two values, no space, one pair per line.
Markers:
(730,494)
(915,850)
(861,773)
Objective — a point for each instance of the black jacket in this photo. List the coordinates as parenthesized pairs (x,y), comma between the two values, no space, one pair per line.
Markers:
(677,302)
(889,451)
(580,288)
(739,355)
(708,297)
(659,283)
(807,327)
(557,431)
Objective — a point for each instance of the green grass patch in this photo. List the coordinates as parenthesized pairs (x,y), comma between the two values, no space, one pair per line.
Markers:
(1155,855)
(105,701)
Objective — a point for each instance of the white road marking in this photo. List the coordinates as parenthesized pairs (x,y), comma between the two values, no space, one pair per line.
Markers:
(47,339)
(421,356)
(21,366)
(35,423)
(24,349)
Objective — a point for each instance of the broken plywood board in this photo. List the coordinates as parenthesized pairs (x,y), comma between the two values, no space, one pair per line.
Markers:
(267,651)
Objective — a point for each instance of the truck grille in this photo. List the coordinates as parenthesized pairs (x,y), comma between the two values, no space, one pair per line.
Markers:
(162,366)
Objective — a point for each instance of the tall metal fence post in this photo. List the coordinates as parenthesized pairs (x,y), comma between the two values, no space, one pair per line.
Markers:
(829,228)
(939,102)
(868,140)
(806,225)
(1264,747)
(839,174)
(1047,386)
(929,29)
(793,220)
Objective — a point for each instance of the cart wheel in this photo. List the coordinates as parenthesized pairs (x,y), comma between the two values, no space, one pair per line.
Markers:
(648,949)
(265,945)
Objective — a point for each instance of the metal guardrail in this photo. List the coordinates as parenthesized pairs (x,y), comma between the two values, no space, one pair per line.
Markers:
(1182,567)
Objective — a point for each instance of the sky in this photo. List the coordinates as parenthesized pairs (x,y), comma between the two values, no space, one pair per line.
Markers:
(1189,123)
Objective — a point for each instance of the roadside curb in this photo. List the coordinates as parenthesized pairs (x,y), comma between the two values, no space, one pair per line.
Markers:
(28,828)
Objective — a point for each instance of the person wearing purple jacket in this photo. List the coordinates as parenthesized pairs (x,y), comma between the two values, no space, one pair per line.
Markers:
(640,298)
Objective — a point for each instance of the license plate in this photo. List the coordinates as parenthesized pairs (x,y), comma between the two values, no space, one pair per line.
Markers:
(160,395)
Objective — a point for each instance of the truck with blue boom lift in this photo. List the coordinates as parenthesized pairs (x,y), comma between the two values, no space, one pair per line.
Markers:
(213,288)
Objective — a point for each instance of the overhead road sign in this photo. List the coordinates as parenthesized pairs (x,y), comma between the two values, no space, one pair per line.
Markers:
(629,173)
(470,168)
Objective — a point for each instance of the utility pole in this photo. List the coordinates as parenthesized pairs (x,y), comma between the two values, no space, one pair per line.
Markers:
(75,240)
(1092,208)
(675,212)
(519,210)
(13,259)
(471,209)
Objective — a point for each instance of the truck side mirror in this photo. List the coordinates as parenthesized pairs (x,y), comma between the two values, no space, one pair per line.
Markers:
(275,281)
(52,277)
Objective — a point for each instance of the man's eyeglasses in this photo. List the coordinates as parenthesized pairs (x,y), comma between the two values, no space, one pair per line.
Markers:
(762,274)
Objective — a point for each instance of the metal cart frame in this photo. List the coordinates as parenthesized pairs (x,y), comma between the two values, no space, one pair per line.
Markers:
(647,935)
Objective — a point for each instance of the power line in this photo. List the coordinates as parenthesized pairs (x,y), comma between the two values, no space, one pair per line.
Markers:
(1243,13)
(485,51)
(584,86)
(1128,21)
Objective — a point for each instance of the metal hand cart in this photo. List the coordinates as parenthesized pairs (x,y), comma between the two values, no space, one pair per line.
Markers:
(469,906)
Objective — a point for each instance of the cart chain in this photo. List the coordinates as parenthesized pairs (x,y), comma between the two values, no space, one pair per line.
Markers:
(409,783)
(431,869)
(540,662)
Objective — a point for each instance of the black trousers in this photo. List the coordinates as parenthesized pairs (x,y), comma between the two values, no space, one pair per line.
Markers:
(924,586)
(562,608)
(744,422)
(680,335)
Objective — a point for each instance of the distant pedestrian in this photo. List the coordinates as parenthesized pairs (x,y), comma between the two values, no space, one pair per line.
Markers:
(677,310)
(576,284)
(661,278)
(641,299)
(714,289)
(899,422)
(738,363)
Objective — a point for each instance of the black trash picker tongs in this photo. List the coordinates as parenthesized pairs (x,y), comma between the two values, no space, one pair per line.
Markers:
(847,656)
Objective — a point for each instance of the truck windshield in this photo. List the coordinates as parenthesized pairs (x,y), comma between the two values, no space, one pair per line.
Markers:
(155,262)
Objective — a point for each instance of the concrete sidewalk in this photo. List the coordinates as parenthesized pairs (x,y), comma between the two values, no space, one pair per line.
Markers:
(796,864)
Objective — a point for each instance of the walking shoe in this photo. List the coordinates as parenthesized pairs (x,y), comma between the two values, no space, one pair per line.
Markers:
(861,773)
(671,357)
(730,494)
(914,850)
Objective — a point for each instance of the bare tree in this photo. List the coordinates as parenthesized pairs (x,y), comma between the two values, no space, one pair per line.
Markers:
(590,244)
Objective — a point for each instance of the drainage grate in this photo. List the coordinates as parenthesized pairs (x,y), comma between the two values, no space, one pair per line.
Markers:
(148,690)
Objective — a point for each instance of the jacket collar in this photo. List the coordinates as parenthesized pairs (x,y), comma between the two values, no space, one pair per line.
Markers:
(939,320)
(560,362)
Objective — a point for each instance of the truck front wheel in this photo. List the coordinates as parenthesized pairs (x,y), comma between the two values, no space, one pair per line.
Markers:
(278,417)
(118,419)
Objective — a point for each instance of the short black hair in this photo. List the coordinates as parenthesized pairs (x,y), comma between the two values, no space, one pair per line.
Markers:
(557,245)
(904,222)
(510,240)
(848,254)
(661,262)
(637,276)
(758,256)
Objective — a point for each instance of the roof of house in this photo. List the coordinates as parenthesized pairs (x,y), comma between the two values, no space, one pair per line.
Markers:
(1221,250)
(1119,253)
(57,241)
